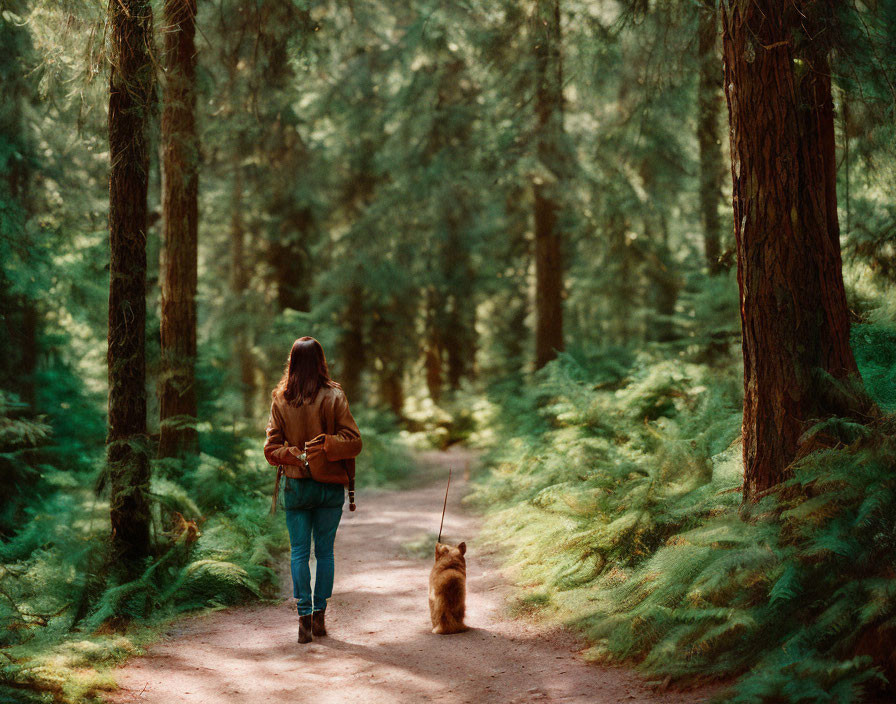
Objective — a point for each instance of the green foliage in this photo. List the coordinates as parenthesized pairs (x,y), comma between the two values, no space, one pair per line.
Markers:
(367,178)
(875,349)
(384,461)
(638,485)
(215,542)
(215,545)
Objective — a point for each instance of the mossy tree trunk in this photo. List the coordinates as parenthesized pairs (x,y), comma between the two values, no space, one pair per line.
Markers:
(180,183)
(131,91)
(546,37)
(794,316)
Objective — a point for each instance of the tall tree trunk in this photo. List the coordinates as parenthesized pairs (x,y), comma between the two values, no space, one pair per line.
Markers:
(239,283)
(20,316)
(548,245)
(709,108)
(130,99)
(793,305)
(353,353)
(180,162)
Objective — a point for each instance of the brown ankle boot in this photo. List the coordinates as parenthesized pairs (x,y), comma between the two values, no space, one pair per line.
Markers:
(305,629)
(318,627)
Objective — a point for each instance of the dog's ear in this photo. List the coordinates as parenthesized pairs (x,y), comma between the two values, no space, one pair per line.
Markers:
(463,548)
(440,549)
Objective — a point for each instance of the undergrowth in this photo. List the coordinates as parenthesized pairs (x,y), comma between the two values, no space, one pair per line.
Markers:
(66,622)
(615,492)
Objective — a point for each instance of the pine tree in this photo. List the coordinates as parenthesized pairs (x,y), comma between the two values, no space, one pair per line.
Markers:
(546,39)
(180,215)
(131,93)
(794,316)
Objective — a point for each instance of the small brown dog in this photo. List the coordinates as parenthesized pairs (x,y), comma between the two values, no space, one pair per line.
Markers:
(448,589)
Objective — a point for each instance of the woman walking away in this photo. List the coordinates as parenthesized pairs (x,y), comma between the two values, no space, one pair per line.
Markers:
(307,404)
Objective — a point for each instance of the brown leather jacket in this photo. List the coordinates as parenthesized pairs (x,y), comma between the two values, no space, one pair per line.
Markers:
(291,425)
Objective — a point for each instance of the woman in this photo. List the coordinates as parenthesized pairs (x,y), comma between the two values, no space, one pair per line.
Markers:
(307,403)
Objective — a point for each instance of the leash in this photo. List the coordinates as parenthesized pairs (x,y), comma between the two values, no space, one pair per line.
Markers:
(444,506)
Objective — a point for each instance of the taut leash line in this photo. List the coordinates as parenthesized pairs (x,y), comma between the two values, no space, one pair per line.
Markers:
(444,506)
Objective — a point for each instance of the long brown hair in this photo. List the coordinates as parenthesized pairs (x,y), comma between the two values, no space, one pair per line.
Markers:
(306,373)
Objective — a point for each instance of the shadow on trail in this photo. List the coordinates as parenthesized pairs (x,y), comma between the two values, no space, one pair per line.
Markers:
(380,649)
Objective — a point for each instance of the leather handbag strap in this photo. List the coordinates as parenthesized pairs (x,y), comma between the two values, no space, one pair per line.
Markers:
(276,489)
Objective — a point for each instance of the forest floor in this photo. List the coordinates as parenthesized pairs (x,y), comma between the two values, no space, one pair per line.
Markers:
(379,649)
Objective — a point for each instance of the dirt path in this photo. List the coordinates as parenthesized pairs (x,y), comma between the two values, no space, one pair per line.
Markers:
(380,650)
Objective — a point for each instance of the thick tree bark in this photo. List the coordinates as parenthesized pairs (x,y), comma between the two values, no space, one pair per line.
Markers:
(130,98)
(180,185)
(548,244)
(709,108)
(793,305)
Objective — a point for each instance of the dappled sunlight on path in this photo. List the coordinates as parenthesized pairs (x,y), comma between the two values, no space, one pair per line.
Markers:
(380,648)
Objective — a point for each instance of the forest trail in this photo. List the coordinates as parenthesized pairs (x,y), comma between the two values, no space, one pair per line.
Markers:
(379,649)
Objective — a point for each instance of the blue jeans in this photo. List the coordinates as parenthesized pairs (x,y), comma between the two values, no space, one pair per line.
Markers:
(313,511)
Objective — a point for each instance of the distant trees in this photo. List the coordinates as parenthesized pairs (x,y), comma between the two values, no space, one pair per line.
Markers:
(239,283)
(795,319)
(131,93)
(18,303)
(180,221)
(451,280)
(233,56)
(709,108)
